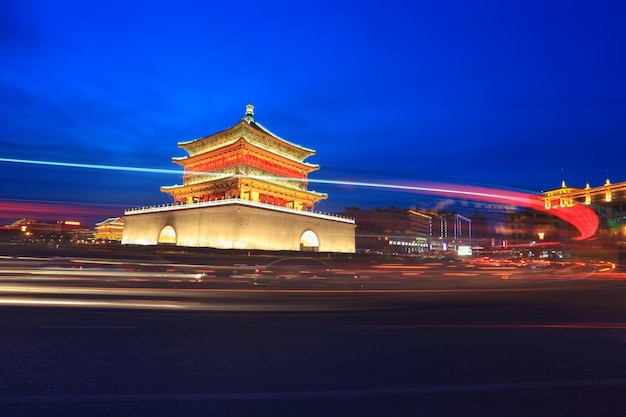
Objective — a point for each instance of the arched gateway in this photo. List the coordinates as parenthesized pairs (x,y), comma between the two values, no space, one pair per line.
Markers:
(309,242)
(167,235)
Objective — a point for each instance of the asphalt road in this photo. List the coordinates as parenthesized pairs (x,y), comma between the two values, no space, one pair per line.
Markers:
(473,343)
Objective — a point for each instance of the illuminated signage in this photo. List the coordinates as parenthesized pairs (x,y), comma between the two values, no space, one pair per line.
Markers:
(464,250)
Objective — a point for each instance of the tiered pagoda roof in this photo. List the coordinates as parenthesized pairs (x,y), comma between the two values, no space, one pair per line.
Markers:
(262,163)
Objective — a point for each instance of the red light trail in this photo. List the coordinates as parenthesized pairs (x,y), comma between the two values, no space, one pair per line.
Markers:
(583,218)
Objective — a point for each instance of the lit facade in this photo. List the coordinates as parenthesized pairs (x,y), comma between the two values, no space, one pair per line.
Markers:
(607,200)
(111,229)
(451,230)
(243,188)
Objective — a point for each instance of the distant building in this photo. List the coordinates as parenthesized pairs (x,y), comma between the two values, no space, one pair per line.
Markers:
(110,230)
(608,201)
(480,231)
(43,233)
(409,231)
(391,230)
(451,230)
(527,227)
(243,188)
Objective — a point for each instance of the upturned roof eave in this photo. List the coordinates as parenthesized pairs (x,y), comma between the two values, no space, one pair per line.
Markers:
(253,125)
(180,160)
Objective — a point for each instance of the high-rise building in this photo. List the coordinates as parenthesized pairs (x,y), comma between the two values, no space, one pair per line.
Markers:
(451,231)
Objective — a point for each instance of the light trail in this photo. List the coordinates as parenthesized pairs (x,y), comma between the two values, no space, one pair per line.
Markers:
(583,218)
(92,166)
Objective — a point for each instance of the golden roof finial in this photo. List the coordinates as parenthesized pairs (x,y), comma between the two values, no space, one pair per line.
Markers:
(249,113)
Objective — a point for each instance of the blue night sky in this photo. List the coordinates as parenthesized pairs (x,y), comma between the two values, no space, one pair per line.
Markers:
(509,94)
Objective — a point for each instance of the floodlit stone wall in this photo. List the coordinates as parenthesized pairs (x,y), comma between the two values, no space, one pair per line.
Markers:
(237,226)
